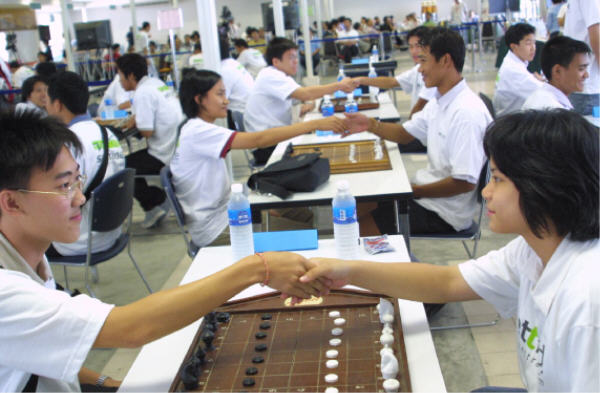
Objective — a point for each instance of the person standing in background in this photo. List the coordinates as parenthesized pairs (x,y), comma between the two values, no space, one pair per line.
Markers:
(552,18)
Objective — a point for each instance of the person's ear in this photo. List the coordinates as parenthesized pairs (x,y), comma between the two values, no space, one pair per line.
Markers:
(9,203)
(557,71)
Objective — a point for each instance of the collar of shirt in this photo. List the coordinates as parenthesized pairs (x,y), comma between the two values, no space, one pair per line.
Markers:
(12,260)
(446,99)
(79,118)
(515,59)
(142,81)
(560,96)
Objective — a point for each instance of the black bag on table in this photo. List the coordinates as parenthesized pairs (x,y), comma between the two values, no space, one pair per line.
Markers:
(304,172)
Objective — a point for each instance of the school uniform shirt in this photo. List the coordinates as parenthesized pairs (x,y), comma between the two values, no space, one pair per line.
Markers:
(44,332)
(270,104)
(547,97)
(411,81)
(29,106)
(196,61)
(513,85)
(10,259)
(20,75)
(452,127)
(142,40)
(90,159)
(156,108)
(253,60)
(238,84)
(556,306)
(115,93)
(201,179)
(581,14)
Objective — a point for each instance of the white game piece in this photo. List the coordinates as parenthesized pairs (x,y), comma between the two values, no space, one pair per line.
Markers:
(331,378)
(386,339)
(334,314)
(337,331)
(331,389)
(386,350)
(377,308)
(385,307)
(339,321)
(388,318)
(389,365)
(387,329)
(331,363)
(391,385)
(332,353)
(334,342)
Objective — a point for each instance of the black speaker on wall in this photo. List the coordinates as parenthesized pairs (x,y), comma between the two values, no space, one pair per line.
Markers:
(93,35)
(291,15)
(44,33)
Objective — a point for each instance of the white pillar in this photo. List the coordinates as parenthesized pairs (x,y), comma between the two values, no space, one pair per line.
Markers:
(319,18)
(306,35)
(278,18)
(209,36)
(331,9)
(67,32)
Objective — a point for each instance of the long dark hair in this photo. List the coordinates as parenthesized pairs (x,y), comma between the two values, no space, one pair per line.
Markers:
(195,83)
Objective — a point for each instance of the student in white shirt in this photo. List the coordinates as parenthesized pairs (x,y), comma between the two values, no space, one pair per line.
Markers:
(157,114)
(544,188)
(514,82)
(251,58)
(45,332)
(118,96)
(238,81)
(349,45)
(270,103)
(565,63)
(20,72)
(34,94)
(200,175)
(452,126)
(196,60)
(69,95)
(582,22)
(142,38)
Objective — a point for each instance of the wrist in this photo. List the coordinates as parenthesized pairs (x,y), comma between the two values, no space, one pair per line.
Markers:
(101,380)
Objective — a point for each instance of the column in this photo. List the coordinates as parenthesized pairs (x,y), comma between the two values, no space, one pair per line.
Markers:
(209,36)
(278,18)
(68,34)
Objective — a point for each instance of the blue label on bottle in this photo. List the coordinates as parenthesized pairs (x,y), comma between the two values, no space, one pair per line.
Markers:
(327,110)
(357,92)
(239,217)
(351,108)
(344,215)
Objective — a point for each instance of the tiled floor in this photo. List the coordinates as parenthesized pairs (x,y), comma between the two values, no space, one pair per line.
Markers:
(469,358)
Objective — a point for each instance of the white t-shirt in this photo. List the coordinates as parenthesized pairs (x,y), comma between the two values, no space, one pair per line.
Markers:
(411,81)
(142,39)
(156,108)
(19,76)
(89,162)
(452,127)
(238,84)
(196,61)
(29,106)
(201,179)
(513,85)
(557,306)
(115,93)
(350,35)
(547,97)
(270,104)
(582,14)
(253,60)
(45,332)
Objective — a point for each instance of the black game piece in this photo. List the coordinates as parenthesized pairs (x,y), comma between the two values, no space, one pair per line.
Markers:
(251,371)
(265,325)
(260,335)
(247,382)
(266,317)
(211,317)
(201,356)
(211,326)
(260,347)
(189,376)
(223,317)
(208,337)
(258,359)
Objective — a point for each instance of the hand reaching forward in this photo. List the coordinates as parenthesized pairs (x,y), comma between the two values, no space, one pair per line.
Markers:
(348,85)
(332,123)
(355,123)
(333,273)
(285,270)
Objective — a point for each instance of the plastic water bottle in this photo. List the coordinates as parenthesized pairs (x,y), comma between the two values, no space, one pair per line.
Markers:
(374,54)
(341,75)
(350,106)
(109,109)
(170,82)
(345,223)
(373,90)
(327,108)
(240,223)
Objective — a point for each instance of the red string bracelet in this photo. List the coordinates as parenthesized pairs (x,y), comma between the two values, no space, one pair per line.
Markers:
(267,275)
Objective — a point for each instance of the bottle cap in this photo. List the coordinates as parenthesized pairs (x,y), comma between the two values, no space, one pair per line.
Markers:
(327,97)
(350,96)
(108,101)
(342,185)
(237,188)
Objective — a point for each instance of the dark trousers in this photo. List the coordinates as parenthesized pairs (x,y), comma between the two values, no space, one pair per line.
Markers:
(146,164)
(421,220)
(348,52)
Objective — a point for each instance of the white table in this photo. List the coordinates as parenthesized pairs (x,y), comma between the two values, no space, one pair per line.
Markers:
(386,112)
(158,362)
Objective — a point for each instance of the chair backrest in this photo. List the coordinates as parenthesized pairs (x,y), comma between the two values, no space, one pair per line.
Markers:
(112,201)
(488,103)
(166,180)
(329,48)
(238,120)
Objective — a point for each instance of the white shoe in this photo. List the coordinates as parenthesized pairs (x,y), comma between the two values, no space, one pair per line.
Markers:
(153,217)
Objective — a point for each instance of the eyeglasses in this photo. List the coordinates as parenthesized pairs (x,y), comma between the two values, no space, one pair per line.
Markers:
(68,194)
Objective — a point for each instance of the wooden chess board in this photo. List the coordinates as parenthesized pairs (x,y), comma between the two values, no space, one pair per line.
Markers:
(296,341)
(364,102)
(350,157)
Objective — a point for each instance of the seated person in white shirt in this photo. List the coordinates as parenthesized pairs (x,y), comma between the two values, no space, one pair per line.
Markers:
(156,114)
(34,94)
(544,188)
(452,126)
(69,95)
(45,332)
(565,63)
(349,44)
(270,102)
(196,60)
(251,58)
(200,174)
(238,81)
(20,72)
(514,82)
(117,95)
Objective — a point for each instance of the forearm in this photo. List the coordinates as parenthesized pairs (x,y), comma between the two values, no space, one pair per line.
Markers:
(390,131)
(164,312)
(413,281)
(594,33)
(272,136)
(383,82)
(443,188)
(419,105)
(308,93)
(90,377)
